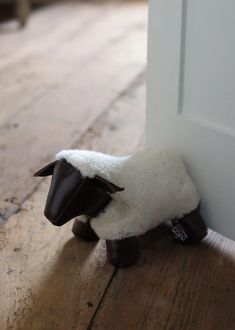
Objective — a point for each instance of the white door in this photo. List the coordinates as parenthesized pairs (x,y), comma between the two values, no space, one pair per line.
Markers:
(191,96)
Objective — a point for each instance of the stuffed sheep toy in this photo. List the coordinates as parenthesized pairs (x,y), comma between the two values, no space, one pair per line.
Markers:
(120,198)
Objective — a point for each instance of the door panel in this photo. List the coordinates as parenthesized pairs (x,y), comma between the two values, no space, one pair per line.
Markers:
(208,77)
(191,96)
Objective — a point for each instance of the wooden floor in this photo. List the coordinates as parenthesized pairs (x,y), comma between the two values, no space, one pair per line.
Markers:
(75,77)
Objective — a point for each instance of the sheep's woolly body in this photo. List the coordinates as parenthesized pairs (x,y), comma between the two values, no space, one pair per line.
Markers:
(157,189)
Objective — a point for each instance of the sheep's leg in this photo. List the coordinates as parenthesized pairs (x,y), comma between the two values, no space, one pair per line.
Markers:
(190,229)
(84,231)
(124,252)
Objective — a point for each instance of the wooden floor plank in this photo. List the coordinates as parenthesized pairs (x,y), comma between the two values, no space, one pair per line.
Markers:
(39,65)
(123,127)
(64,111)
(42,25)
(82,84)
(173,287)
(50,280)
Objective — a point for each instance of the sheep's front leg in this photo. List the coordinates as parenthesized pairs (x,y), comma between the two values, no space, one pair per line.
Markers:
(190,229)
(84,231)
(124,252)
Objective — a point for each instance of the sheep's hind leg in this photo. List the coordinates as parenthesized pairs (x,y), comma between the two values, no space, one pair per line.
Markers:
(124,252)
(191,229)
(84,231)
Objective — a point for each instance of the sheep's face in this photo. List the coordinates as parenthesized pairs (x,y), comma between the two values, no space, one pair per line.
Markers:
(71,195)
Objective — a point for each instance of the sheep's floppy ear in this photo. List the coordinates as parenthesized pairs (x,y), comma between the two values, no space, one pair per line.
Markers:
(106,185)
(46,170)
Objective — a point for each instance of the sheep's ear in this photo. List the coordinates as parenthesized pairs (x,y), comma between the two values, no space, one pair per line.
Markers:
(46,170)
(106,185)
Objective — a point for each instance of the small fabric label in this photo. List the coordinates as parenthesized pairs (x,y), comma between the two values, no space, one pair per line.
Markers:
(179,232)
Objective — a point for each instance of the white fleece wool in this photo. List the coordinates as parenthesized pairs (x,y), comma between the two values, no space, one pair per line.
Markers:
(157,189)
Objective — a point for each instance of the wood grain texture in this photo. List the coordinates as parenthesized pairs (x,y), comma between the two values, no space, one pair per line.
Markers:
(173,287)
(121,129)
(50,280)
(35,60)
(53,89)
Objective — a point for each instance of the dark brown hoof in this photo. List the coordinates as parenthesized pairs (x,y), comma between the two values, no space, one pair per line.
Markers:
(84,231)
(191,229)
(123,253)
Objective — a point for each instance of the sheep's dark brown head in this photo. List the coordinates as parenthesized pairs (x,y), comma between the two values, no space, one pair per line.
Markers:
(71,194)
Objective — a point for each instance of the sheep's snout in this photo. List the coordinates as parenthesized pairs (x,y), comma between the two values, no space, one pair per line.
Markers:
(65,181)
